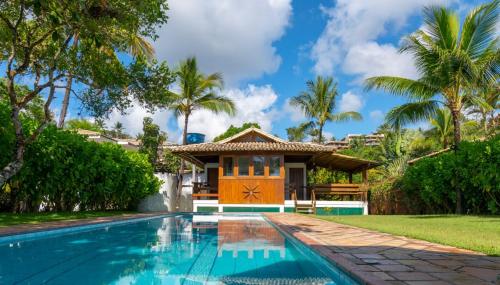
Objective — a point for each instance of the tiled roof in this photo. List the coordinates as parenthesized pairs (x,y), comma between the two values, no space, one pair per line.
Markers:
(252,146)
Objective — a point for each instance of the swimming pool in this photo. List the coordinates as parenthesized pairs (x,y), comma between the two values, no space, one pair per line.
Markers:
(177,249)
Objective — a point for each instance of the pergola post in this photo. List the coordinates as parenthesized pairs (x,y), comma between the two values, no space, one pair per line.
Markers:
(364,174)
(350,177)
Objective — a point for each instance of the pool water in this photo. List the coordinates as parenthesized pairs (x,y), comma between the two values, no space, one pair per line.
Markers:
(177,249)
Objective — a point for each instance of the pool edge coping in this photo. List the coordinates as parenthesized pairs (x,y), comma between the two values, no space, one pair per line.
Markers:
(25,229)
(335,259)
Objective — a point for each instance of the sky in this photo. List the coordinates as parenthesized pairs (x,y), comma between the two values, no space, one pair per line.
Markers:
(268,49)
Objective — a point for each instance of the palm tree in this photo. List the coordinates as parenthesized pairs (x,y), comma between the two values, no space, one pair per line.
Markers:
(318,103)
(118,130)
(196,93)
(449,59)
(442,126)
(299,133)
(490,96)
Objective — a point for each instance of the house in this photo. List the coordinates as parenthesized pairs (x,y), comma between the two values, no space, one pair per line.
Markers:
(253,171)
(368,140)
(128,144)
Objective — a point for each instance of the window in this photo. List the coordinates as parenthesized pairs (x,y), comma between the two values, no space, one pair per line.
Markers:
(274,166)
(243,166)
(227,163)
(258,165)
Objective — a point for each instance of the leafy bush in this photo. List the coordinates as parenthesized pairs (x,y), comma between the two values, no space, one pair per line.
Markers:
(473,168)
(63,171)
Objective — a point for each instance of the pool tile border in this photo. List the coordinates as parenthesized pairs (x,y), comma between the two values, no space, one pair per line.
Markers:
(26,229)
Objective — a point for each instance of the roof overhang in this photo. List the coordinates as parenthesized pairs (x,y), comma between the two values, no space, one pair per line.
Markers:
(337,161)
(323,156)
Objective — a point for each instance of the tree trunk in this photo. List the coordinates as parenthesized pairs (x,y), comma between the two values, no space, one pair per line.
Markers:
(181,170)
(13,167)
(455,113)
(65,102)
(67,92)
(320,135)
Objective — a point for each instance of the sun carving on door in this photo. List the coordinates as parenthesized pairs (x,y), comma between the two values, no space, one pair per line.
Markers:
(251,192)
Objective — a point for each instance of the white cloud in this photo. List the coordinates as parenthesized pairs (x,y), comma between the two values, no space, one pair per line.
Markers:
(371,59)
(254,104)
(353,23)
(232,37)
(293,113)
(376,115)
(132,120)
(350,102)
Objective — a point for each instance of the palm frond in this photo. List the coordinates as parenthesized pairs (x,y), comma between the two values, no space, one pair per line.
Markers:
(139,46)
(442,25)
(411,113)
(416,89)
(215,103)
(346,116)
(479,29)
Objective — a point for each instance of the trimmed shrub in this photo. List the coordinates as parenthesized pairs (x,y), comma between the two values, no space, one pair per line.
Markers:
(63,171)
(473,168)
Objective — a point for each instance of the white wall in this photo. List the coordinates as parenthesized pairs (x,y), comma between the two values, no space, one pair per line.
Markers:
(164,200)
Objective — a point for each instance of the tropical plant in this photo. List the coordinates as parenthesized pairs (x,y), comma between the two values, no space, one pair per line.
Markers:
(490,96)
(117,130)
(137,47)
(318,104)
(35,45)
(442,126)
(476,165)
(450,58)
(197,92)
(63,172)
(299,133)
(152,140)
(232,130)
(83,124)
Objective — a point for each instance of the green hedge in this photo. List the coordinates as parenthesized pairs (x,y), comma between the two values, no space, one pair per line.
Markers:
(431,182)
(63,171)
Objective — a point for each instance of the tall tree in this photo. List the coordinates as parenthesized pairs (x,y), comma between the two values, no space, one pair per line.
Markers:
(35,45)
(151,140)
(197,92)
(299,133)
(450,58)
(137,47)
(232,130)
(318,104)
(490,96)
(117,130)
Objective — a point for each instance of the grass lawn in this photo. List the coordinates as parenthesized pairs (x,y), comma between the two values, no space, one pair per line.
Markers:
(9,219)
(478,233)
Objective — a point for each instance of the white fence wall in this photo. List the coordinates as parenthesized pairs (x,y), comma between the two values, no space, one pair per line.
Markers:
(164,200)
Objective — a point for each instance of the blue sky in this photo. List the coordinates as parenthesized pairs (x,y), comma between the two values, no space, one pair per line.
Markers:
(268,49)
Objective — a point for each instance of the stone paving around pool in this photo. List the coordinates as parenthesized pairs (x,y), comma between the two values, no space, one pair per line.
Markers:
(379,258)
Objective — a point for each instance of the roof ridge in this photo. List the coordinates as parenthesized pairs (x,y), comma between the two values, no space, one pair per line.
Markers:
(249,130)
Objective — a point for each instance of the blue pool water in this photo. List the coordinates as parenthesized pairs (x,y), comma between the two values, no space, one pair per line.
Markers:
(181,249)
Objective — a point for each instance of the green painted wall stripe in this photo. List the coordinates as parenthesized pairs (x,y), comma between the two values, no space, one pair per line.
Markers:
(339,211)
(251,209)
(208,209)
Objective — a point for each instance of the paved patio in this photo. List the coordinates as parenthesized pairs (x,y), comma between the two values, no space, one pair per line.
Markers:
(26,228)
(378,258)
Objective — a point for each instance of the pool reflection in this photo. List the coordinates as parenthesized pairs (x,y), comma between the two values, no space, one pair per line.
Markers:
(183,249)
